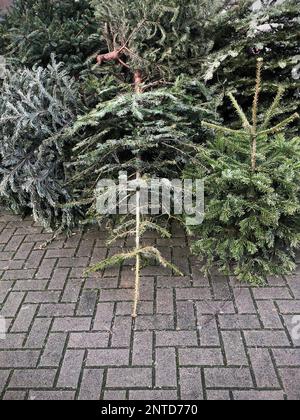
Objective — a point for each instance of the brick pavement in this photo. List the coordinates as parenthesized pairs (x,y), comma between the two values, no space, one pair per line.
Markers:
(73,338)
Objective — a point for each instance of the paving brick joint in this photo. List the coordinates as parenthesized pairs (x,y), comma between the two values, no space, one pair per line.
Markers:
(69,337)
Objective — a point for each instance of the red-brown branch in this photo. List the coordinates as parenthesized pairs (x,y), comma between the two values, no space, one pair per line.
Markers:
(112,56)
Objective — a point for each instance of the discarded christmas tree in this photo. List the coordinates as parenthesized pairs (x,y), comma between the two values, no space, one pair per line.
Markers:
(147,122)
(252,185)
(36,106)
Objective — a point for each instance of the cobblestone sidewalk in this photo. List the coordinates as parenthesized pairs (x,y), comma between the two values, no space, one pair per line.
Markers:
(73,338)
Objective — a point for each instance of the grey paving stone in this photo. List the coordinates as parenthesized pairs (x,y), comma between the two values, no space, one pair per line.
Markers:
(200,357)
(287,357)
(71,368)
(115,395)
(211,307)
(239,322)
(14,243)
(292,324)
(228,378)
(87,303)
(165,368)
(218,395)
(191,384)
(52,395)
(154,322)
(143,348)
(264,369)
(45,296)
(15,396)
(234,348)
(221,288)
(186,315)
(165,301)
(32,378)
(58,278)
(289,307)
(258,395)
(4,375)
(107,357)
(12,341)
(144,308)
(57,309)
(12,304)
(272,293)
(53,350)
(72,291)
(38,333)
(269,315)
(34,259)
(244,301)
(294,285)
(176,338)
(291,380)
(91,385)
(208,331)
(113,295)
(30,285)
(199,293)
(129,378)
(89,340)
(24,318)
(19,359)
(266,339)
(46,268)
(104,317)
(155,395)
(70,324)
(171,282)
(5,288)
(122,331)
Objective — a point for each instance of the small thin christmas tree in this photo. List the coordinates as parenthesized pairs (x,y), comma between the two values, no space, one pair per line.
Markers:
(252,184)
(147,120)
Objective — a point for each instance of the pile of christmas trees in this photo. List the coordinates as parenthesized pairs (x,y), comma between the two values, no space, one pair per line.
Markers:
(93,88)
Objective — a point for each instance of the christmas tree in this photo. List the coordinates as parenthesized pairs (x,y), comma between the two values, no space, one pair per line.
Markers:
(36,106)
(148,117)
(252,184)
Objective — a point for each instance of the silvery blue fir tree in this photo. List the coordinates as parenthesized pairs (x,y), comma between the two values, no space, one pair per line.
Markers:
(36,106)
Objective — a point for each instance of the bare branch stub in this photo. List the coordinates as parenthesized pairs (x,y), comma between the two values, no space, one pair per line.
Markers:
(116,54)
(112,56)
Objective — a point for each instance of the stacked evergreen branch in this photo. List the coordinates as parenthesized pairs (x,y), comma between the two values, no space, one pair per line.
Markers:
(39,28)
(36,106)
(162,37)
(252,184)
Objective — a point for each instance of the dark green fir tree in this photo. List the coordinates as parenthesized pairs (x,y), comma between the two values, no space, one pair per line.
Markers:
(252,184)
(39,28)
